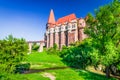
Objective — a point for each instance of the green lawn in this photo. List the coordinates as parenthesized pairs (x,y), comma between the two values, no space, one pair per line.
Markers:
(44,66)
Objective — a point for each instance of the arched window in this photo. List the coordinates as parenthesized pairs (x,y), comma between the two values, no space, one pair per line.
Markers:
(73,25)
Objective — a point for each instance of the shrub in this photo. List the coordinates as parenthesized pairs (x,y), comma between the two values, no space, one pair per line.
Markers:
(12,52)
(53,50)
(35,47)
(9,76)
(76,56)
(21,68)
(64,51)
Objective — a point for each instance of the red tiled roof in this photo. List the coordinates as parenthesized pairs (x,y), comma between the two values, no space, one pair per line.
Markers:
(52,22)
(67,18)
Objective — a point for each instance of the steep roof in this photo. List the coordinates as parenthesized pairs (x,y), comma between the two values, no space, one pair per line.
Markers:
(51,18)
(67,18)
(52,22)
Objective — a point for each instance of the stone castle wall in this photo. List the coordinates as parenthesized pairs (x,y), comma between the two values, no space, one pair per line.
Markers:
(64,34)
(64,31)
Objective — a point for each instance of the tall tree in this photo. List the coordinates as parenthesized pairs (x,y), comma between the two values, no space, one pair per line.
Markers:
(104,29)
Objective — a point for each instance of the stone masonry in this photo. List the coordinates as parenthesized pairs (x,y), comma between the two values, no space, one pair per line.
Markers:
(64,31)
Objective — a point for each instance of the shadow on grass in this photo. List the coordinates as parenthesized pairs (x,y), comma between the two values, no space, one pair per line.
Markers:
(42,70)
(21,68)
(87,75)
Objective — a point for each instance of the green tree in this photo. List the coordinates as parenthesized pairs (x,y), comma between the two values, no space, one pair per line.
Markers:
(12,52)
(104,30)
(55,46)
(77,56)
(35,47)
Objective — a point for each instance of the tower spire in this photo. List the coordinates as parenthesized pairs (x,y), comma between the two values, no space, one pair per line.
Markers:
(51,18)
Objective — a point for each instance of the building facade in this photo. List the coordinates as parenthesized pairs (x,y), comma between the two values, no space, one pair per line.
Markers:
(64,31)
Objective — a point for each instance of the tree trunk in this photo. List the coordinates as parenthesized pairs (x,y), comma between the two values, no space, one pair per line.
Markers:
(107,72)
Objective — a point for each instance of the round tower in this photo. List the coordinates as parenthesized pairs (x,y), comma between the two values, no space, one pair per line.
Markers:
(81,26)
(50,29)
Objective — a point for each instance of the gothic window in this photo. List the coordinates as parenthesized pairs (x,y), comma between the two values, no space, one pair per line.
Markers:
(66,27)
(73,26)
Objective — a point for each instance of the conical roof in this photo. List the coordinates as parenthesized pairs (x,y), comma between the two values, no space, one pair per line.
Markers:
(51,18)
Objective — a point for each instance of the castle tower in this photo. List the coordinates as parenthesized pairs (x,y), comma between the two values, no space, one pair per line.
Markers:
(50,26)
(81,25)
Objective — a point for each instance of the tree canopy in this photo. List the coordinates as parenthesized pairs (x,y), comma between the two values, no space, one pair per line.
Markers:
(12,52)
(104,30)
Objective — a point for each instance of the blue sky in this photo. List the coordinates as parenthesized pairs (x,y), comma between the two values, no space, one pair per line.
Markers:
(27,18)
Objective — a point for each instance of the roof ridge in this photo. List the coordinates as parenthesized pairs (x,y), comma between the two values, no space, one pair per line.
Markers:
(66,18)
(67,15)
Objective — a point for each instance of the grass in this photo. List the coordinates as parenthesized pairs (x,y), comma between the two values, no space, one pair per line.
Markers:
(87,75)
(66,74)
(43,60)
(43,63)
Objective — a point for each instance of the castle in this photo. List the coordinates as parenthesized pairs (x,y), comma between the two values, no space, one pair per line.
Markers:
(64,31)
